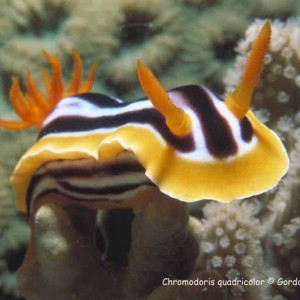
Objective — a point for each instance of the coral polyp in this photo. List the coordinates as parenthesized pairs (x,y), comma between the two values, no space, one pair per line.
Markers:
(231,245)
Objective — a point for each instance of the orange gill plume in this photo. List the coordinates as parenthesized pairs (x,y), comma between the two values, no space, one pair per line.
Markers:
(34,106)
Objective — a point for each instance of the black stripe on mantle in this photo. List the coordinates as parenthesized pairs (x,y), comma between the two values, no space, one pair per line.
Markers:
(144,116)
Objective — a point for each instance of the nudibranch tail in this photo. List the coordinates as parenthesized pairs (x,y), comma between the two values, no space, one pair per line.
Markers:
(239,101)
(34,106)
(176,119)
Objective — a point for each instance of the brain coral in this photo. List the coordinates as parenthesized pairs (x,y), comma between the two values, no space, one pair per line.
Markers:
(33,25)
(144,30)
(209,46)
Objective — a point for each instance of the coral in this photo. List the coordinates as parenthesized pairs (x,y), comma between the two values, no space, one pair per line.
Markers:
(283,222)
(56,26)
(14,231)
(34,25)
(14,239)
(201,3)
(144,30)
(117,32)
(209,46)
(216,27)
(7,164)
(61,264)
(121,32)
(230,244)
(278,94)
(271,8)
(161,246)
(62,261)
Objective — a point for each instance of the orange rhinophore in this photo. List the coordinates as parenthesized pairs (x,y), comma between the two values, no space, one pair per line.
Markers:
(177,120)
(239,101)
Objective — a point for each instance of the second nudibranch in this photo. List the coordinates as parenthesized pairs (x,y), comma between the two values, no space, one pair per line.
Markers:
(188,142)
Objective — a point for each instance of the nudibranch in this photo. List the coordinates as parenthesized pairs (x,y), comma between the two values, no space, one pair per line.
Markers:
(187,142)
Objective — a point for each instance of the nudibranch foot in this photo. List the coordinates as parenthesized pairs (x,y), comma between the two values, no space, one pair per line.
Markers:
(162,245)
(90,183)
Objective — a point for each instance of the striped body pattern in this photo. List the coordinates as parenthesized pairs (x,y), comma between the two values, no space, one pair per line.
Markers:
(89,114)
(188,143)
(219,133)
(217,139)
(87,181)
